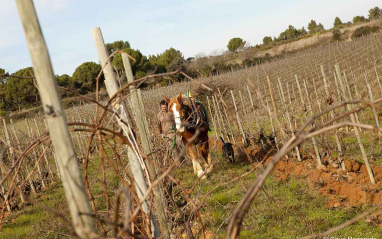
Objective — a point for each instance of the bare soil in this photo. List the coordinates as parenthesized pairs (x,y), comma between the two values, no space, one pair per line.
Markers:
(348,188)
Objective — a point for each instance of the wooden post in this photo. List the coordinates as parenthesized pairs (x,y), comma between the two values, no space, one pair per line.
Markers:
(282,90)
(1,155)
(66,157)
(238,119)
(26,164)
(75,136)
(140,119)
(299,90)
(338,142)
(291,129)
(8,139)
(337,87)
(275,109)
(54,153)
(226,118)
(356,131)
(290,99)
(253,108)
(243,105)
(13,159)
(317,98)
(80,134)
(219,123)
(42,148)
(307,96)
(135,161)
(325,81)
(351,97)
(358,95)
(212,116)
(376,73)
(374,113)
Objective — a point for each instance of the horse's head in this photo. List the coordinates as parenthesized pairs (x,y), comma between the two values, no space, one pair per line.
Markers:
(180,110)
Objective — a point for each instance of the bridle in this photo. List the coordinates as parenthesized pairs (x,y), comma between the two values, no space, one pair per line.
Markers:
(193,117)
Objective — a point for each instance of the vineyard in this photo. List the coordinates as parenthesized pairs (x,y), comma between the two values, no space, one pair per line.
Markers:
(307,142)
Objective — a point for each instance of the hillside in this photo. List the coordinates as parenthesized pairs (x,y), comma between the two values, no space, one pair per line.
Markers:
(318,39)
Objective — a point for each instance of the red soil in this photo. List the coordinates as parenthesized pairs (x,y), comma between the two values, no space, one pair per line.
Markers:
(347,188)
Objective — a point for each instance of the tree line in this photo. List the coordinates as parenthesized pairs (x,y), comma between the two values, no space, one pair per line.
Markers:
(18,90)
(18,93)
(292,33)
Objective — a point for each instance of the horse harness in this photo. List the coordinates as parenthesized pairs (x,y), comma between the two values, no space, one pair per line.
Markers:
(198,113)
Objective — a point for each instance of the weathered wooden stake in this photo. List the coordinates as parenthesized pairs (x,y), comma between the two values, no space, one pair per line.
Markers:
(238,119)
(299,90)
(291,129)
(225,119)
(356,131)
(253,109)
(135,161)
(36,154)
(218,118)
(66,157)
(43,151)
(212,116)
(376,73)
(290,99)
(282,89)
(338,142)
(140,119)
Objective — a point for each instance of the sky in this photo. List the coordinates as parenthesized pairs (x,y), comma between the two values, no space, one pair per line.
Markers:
(195,27)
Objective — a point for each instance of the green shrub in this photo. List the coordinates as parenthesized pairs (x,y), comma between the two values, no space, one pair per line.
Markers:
(336,35)
(361,31)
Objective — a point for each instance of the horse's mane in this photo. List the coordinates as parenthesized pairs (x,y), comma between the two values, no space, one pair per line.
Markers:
(186,101)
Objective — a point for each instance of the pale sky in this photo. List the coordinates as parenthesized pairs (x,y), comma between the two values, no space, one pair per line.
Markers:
(193,27)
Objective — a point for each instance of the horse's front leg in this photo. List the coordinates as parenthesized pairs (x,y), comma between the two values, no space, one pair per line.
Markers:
(195,163)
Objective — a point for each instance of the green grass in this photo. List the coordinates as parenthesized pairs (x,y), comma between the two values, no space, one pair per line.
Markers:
(283,209)
(34,222)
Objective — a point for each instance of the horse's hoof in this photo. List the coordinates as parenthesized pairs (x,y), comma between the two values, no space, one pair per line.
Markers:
(209,168)
(201,175)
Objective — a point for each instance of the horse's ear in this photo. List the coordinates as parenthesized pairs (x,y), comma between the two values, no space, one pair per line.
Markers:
(179,98)
(167,100)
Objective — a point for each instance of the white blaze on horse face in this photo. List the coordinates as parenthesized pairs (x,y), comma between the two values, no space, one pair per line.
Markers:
(178,122)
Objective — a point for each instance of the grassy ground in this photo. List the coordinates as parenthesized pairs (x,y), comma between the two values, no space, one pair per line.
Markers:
(33,222)
(284,209)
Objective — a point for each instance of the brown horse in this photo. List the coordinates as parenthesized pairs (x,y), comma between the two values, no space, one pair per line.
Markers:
(190,118)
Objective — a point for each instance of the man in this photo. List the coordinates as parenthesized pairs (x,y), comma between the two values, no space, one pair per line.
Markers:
(166,124)
(166,120)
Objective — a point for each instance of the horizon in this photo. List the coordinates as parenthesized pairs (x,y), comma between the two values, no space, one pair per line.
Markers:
(194,28)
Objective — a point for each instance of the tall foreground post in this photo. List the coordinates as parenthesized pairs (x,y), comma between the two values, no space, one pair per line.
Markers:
(134,162)
(141,122)
(66,157)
